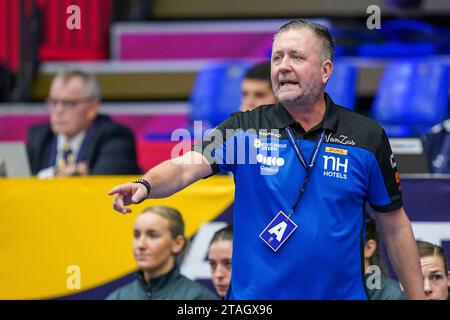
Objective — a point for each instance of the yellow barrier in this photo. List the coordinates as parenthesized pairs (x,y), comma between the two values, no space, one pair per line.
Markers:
(46,226)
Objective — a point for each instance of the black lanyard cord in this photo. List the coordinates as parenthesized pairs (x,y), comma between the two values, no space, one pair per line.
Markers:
(303,162)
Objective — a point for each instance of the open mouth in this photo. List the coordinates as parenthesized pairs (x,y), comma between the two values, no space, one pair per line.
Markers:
(288,82)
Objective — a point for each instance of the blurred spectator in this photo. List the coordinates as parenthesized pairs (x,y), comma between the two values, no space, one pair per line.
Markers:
(158,243)
(79,141)
(389,289)
(256,87)
(219,257)
(435,272)
(437,146)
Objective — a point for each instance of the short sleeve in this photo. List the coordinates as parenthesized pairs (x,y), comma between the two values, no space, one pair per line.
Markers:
(217,146)
(384,181)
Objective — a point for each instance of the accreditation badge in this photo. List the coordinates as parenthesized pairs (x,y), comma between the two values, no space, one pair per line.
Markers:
(278,231)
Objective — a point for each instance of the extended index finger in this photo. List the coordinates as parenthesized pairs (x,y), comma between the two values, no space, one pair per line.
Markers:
(118,189)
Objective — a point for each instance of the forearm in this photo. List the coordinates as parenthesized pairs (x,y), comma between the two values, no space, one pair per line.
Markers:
(397,235)
(174,175)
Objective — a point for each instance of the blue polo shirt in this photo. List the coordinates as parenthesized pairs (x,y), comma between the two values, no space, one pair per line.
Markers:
(323,258)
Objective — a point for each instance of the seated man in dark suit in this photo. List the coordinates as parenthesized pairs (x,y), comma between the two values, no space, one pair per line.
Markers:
(79,141)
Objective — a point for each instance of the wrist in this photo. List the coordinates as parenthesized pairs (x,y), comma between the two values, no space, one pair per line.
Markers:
(146,184)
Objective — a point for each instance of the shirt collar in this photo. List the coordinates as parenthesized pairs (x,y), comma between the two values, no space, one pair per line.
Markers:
(75,142)
(329,122)
(161,281)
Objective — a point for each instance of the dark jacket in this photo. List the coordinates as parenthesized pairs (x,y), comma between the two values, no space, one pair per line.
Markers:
(389,290)
(108,147)
(171,286)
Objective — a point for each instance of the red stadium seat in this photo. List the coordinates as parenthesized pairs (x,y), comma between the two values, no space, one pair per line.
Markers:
(9,34)
(151,153)
(91,42)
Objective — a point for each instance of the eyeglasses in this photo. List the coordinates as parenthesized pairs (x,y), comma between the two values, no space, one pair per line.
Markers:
(65,104)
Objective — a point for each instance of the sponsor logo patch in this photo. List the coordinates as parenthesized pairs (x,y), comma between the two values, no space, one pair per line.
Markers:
(271,161)
(335,167)
(336,150)
(268,146)
(269,165)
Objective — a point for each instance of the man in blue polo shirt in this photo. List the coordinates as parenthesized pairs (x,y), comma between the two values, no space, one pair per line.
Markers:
(304,169)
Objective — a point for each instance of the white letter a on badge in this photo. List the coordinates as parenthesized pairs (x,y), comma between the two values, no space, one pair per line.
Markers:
(279,230)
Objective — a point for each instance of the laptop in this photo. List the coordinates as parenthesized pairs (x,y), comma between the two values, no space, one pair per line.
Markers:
(13,160)
(410,155)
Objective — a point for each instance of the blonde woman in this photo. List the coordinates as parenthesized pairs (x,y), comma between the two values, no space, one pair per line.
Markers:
(158,242)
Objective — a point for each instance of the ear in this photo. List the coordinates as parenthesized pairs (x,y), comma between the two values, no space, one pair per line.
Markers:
(369,248)
(178,244)
(92,110)
(327,69)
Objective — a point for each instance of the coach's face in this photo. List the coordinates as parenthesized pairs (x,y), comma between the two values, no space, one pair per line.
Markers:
(298,71)
(71,110)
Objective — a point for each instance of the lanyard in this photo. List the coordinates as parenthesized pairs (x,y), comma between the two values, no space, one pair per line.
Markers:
(303,162)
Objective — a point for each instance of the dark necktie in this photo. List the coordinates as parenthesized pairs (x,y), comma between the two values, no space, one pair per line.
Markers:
(67,157)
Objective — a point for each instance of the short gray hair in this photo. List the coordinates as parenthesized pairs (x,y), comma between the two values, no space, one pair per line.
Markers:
(91,84)
(319,30)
